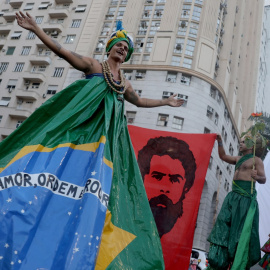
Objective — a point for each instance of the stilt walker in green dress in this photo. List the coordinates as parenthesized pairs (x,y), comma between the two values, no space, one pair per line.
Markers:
(234,240)
(90,111)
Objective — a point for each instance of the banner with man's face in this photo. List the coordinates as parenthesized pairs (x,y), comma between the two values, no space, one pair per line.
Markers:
(173,168)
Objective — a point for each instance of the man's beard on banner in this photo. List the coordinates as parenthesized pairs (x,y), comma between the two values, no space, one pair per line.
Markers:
(166,215)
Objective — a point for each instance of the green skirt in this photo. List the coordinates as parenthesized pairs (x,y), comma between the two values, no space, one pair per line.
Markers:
(227,230)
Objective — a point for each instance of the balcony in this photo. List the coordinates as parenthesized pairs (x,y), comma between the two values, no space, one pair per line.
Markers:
(40,59)
(2,42)
(34,76)
(6,132)
(27,94)
(63,2)
(59,13)
(5,28)
(9,15)
(15,3)
(20,113)
(52,27)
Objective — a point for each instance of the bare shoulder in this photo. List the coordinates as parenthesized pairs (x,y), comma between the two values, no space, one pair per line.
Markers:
(258,160)
(94,65)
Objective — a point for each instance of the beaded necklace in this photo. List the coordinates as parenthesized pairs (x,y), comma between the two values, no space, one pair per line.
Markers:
(118,88)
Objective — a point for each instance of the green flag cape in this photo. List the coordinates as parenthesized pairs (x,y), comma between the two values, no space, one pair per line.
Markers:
(57,171)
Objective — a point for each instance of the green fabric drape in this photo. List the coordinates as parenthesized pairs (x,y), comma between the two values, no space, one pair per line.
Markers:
(242,160)
(235,236)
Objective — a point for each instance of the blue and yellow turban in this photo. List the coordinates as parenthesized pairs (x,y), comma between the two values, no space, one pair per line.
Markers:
(120,35)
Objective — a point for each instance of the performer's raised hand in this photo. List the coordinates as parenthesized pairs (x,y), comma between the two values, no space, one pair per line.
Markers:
(26,21)
(173,102)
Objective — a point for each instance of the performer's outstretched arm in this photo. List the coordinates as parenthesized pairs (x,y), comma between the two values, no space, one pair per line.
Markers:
(132,97)
(79,62)
(222,153)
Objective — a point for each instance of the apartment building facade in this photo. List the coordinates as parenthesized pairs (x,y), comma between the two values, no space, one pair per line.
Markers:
(202,50)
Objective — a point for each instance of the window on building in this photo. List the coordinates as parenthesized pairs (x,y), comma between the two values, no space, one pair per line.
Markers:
(182,28)
(179,44)
(12,84)
(186,11)
(18,67)
(39,19)
(233,133)
(16,35)
(187,62)
(43,5)
(193,30)
(183,97)
(185,79)
(213,92)
(190,47)
(166,94)
(106,29)
(19,123)
(120,13)
(229,169)
(110,14)
(52,89)
(130,117)
(147,12)
(210,163)
(128,74)
(216,118)
(25,50)
(10,50)
(225,184)
(177,122)
(143,28)
(149,45)
(80,8)
(38,69)
(3,66)
(101,45)
(29,6)
(70,39)
(76,23)
(171,77)
(206,131)
(139,42)
(218,173)
(135,59)
(139,92)
(31,35)
(158,11)
(163,120)
(1,117)
(35,85)
(176,61)
(58,72)
(98,57)
(196,13)
(140,74)
(231,149)
(4,101)
(146,57)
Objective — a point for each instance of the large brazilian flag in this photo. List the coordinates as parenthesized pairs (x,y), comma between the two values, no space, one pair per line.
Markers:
(71,193)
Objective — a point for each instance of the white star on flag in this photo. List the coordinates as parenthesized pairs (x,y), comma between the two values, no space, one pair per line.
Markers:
(1,257)
(75,250)
(30,202)
(93,173)
(12,263)
(97,237)
(9,200)
(89,244)
(15,252)
(76,233)
(19,261)
(6,245)
(22,211)
(69,213)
